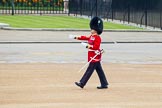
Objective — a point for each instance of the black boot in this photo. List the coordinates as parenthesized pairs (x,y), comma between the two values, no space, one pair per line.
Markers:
(79,84)
(102,87)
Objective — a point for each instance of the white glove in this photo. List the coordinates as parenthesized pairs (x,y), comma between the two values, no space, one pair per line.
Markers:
(72,36)
(84,44)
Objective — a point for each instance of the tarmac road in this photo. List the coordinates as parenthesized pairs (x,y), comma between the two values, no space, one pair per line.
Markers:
(56,47)
(142,53)
(62,36)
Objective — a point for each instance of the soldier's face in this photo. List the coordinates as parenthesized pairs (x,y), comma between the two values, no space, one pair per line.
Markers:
(93,32)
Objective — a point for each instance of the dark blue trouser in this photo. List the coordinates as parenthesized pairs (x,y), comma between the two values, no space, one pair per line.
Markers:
(94,66)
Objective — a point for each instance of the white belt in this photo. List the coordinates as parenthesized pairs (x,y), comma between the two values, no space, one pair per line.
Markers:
(95,59)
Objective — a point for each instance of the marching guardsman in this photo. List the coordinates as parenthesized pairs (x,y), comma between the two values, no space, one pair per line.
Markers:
(94,54)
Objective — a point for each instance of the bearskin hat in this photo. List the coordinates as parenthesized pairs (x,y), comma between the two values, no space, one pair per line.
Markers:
(96,23)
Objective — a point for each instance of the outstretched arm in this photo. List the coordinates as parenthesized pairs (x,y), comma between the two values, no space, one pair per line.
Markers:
(82,37)
(79,37)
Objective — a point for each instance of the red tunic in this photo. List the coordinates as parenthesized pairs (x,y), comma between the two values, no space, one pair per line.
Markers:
(95,41)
